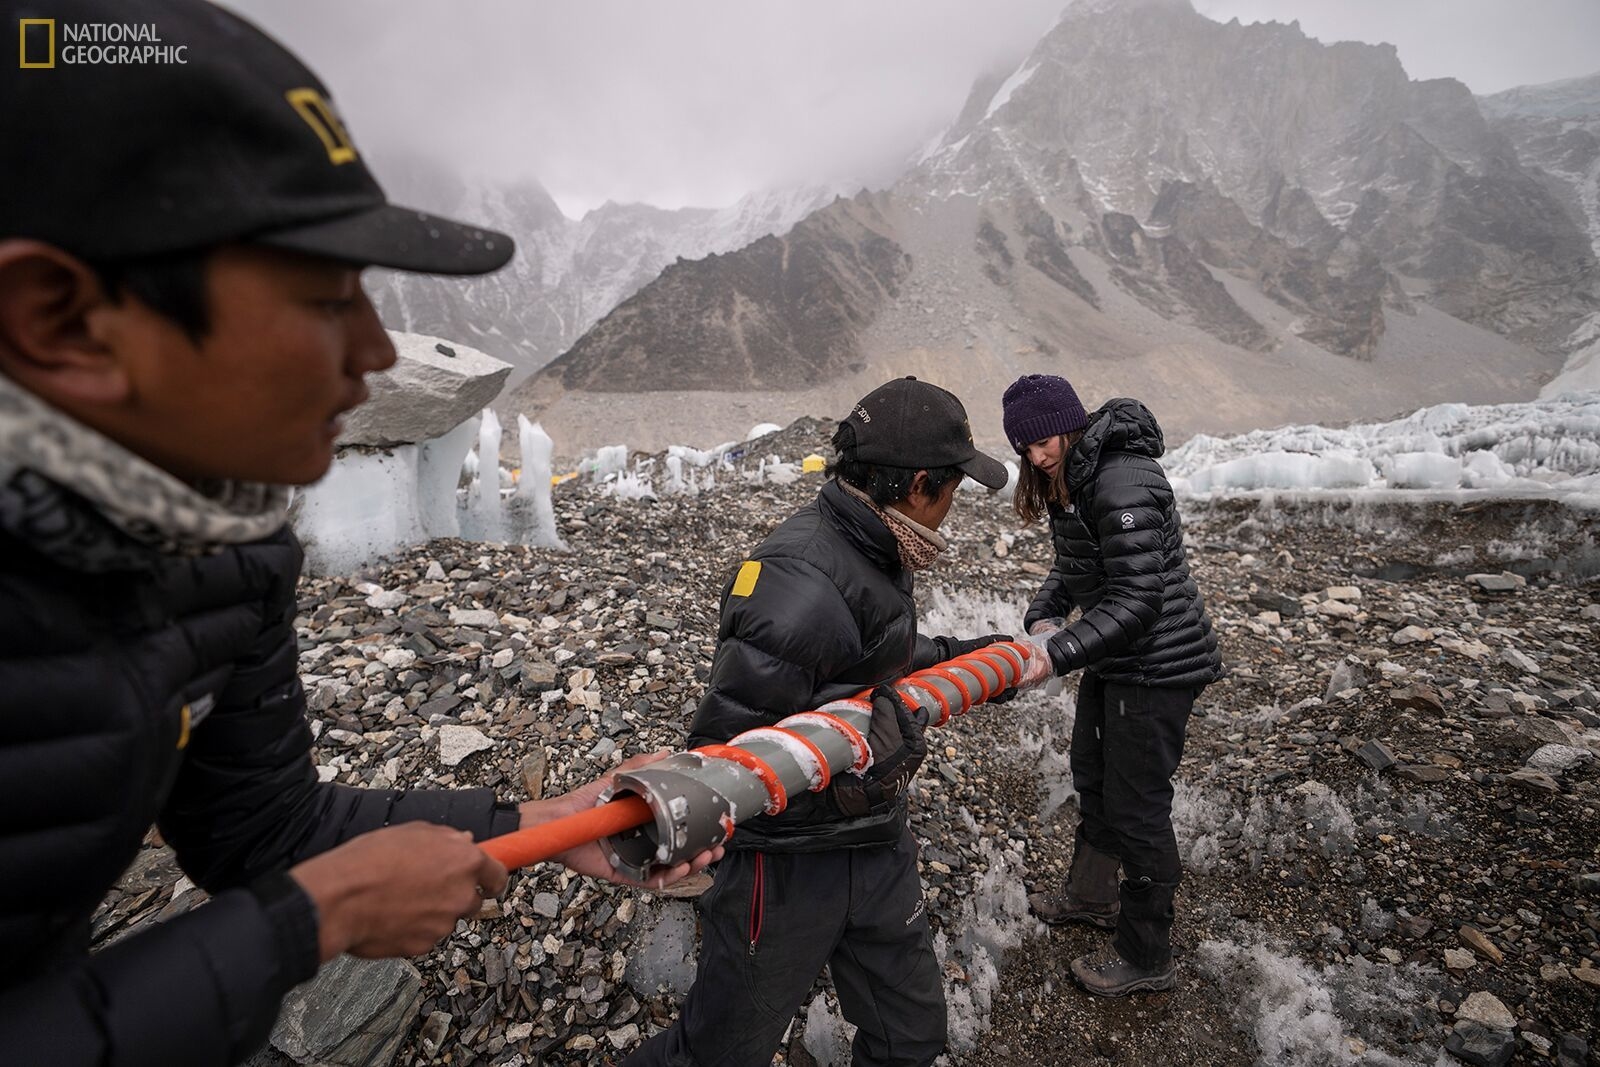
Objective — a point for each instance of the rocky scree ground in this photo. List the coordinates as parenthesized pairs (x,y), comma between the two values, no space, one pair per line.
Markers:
(1389,810)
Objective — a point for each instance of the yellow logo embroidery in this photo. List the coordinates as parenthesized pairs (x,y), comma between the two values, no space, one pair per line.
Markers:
(745,584)
(49,60)
(324,121)
(183,727)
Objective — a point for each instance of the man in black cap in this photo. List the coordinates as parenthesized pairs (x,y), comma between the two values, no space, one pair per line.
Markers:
(820,611)
(182,325)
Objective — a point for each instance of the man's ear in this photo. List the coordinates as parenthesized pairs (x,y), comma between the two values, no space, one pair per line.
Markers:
(919,487)
(57,326)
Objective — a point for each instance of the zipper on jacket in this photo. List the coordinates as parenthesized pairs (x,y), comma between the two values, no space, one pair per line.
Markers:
(758,903)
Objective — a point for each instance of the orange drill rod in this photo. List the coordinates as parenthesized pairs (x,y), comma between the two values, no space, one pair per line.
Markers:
(524,848)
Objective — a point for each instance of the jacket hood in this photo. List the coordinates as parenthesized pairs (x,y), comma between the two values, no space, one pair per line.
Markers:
(1120,425)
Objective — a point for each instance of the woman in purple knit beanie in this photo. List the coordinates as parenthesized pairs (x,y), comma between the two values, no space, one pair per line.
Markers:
(1146,649)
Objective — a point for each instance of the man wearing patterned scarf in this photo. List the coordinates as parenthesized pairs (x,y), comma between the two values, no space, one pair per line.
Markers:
(823,609)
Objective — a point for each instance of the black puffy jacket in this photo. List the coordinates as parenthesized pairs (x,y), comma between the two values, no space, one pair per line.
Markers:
(830,613)
(140,687)
(1120,561)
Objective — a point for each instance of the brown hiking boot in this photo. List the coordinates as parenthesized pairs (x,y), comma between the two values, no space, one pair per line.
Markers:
(1059,909)
(1091,893)
(1107,974)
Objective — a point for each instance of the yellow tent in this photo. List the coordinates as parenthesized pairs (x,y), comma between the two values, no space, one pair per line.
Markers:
(813,464)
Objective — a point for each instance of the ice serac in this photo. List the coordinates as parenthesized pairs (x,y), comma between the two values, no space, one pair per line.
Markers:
(531,513)
(1542,448)
(434,386)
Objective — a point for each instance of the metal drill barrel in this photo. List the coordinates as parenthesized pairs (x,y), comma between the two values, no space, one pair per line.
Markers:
(697,797)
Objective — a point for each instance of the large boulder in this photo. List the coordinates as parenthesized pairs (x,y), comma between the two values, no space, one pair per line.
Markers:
(354,1013)
(425,394)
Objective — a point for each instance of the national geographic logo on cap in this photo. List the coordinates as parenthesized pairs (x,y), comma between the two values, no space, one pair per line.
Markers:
(93,44)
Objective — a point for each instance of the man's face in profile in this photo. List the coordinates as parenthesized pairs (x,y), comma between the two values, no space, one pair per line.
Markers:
(258,397)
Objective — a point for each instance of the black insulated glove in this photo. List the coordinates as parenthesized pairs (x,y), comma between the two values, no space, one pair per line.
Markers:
(898,749)
(951,647)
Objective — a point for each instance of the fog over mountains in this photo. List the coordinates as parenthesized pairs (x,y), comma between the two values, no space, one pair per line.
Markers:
(567,273)
(1238,223)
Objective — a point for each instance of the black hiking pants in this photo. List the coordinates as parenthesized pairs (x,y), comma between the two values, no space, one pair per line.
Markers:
(1126,744)
(769,923)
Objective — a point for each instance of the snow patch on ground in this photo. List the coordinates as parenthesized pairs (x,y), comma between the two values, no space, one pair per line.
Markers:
(1345,1013)
(994,918)
(1053,767)
(826,1035)
(966,614)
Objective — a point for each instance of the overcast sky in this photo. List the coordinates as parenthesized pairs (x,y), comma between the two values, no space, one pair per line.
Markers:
(676,102)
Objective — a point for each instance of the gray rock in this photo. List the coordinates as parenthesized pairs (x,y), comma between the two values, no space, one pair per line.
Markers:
(1534,780)
(547,905)
(664,956)
(1474,1043)
(456,743)
(1590,611)
(534,765)
(1376,754)
(426,394)
(1571,1051)
(1346,675)
(478,618)
(1518,660)
(1504,582)
(1419,698)
(1486,1008)
(354,1013)
(1286,606)
(430,1039)
(1544,731)
(1554,759)
(623,1036)
(386,599)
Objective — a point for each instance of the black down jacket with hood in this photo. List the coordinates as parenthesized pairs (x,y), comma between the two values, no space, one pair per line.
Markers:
(1120,561)
(825,611)
(141,687)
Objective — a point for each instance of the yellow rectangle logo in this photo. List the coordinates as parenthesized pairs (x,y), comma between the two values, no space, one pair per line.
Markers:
(49,60)
(745,584)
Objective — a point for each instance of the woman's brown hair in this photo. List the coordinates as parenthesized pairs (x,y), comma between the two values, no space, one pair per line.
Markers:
(1035,491)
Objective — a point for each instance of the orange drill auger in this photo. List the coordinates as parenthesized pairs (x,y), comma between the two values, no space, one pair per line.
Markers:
(678,807)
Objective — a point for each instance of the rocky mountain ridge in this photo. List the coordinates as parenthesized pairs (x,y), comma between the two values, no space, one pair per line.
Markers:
(567,273)
(1556,131)
(1152,193)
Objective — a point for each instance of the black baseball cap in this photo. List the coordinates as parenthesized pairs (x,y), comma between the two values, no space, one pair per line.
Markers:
(910,423)
(136,127)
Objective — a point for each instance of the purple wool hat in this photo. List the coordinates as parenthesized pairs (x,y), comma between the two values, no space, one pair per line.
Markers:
(1039,406)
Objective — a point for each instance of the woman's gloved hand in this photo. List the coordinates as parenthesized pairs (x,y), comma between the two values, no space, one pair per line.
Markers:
(1037,667)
